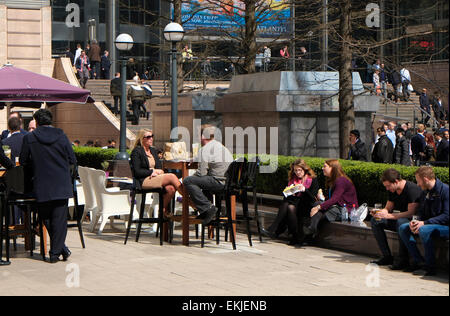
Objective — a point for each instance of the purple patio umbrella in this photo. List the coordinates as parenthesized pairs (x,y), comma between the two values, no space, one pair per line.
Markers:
(20,87)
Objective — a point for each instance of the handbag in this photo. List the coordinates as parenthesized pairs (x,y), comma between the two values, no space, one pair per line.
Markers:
(410,87)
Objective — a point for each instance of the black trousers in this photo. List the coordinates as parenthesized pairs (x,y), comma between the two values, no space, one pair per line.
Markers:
(199,188)
(54,215)
(378,229)
(289,218)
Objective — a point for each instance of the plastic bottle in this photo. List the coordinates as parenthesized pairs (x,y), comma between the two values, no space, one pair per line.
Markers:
(344,214)
(353,213)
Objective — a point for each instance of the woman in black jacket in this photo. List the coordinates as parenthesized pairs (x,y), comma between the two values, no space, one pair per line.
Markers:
(147,168)
(401,151)
(295,207)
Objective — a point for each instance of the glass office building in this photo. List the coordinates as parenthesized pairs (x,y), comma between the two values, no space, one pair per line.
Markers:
(81,21)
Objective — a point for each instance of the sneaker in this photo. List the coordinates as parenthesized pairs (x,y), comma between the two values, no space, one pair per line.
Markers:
(385,261)
(414,267)
(210,214)
(267,233)
(399,265)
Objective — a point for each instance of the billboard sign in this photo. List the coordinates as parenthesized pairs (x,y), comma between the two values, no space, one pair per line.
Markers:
(212,16)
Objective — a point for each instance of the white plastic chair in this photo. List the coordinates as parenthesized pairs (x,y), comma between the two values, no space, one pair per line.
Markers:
(81,200)
(90,203)
(108,203)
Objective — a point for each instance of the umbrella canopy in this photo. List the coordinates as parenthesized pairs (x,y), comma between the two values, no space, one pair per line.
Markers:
(28,89)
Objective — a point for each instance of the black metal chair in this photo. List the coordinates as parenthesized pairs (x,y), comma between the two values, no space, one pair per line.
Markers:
(14,194)
(77,214)
(240,179)
(160,220)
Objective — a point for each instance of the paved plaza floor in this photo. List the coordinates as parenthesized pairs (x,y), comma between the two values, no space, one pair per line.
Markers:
(271,268)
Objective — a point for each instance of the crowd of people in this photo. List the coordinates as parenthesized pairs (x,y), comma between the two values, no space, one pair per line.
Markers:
(90,63)
(428,201)
(401,144)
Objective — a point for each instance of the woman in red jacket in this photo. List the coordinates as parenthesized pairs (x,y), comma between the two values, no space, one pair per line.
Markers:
(341,191)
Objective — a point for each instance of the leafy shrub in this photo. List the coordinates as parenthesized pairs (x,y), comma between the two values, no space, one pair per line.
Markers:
(365,176)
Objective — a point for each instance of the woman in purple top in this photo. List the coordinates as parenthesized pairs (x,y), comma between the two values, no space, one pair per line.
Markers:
(341,192)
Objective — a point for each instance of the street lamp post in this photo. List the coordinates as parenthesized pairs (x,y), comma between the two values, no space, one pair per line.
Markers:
(174,33)
(124,42)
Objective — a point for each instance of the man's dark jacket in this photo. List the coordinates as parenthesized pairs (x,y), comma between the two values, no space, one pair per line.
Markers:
(46,156)
(383,151)
(418,145)
(359,151)
(15,143)
(401,152)
(442,151)
(425,102)
(116,87)
(434,210)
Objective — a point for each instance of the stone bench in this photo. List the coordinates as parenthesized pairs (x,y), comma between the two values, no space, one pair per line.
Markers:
(347,237)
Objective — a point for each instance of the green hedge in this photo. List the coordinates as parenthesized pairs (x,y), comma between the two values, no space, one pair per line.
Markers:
(93,156)
(365,175)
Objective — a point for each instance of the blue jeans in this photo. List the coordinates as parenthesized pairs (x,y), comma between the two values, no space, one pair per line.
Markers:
(426,234)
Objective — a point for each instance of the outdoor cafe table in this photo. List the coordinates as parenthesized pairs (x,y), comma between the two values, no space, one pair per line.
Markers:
(184,166)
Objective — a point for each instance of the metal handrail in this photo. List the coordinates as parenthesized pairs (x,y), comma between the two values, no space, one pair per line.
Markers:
(415,107)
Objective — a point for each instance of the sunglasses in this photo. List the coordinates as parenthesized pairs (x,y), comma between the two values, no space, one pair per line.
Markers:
(148,137)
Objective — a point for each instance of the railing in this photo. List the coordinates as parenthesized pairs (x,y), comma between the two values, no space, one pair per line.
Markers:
(416,107)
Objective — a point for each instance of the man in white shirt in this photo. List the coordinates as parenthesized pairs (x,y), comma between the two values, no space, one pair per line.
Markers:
(406,80)
(390,133)
(214,160)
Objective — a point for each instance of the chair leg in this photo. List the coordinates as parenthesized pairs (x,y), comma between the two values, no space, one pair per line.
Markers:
(203,235)
(258,224)
(161,219)
(230,222)
(103,224)
(130,218)
(246,216)
(141,216)
(29,229)
(80,231)
(7,234)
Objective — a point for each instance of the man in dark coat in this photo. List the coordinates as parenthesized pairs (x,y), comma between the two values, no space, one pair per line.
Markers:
(383,150)
(425,106)
(438,108)
(106,65)
(95,58)
(401,151)
(47,156)
(442,147)
(14,141)
(358,149)
(116,91)
(6,133)
(418,144)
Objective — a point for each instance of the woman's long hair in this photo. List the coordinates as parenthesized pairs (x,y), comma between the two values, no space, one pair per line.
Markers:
(141,133)
(336,172)
(302,164)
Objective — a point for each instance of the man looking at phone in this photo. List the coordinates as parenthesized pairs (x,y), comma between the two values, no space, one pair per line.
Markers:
(404,196)
(432,221)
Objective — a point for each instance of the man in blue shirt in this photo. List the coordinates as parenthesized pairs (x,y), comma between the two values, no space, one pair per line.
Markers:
(432,222)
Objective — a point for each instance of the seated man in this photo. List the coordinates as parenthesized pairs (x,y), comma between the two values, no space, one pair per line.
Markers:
(433,220)
(214,159)
(404,197)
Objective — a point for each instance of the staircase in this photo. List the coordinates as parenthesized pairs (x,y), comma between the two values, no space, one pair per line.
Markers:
(100,91)
(401,111)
